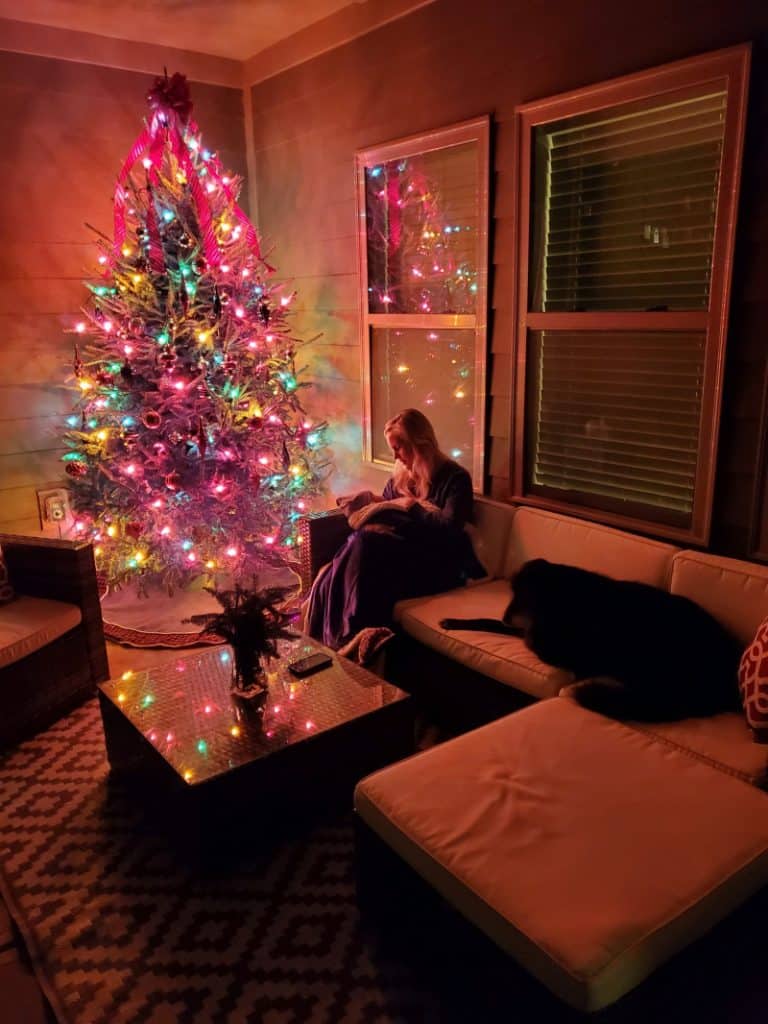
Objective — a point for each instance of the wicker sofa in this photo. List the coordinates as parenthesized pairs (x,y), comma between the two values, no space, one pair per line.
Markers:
(52,650)
(588,849)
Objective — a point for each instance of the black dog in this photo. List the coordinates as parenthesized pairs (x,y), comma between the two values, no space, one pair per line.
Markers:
(645,653)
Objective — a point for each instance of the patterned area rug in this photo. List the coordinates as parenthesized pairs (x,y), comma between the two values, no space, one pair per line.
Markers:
(119,932)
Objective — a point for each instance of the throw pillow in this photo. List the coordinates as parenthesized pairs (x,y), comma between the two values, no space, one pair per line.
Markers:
(753,683)
(6,590)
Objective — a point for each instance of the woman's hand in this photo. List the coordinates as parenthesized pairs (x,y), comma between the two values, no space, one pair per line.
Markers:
(350,503)
(428,506)
(358,518)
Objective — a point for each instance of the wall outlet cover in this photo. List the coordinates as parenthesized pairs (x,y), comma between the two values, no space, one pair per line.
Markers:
(54,509)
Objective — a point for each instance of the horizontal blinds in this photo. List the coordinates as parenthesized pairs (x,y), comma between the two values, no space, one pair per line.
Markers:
(615,416)
(625,207)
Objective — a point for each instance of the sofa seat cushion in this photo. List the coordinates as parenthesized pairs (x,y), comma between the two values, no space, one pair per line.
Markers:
(29,623)
(504,658)
(724,741)
(586,849)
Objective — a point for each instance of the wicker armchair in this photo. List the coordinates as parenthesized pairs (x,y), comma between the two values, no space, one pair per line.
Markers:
(38,688)
(321,534)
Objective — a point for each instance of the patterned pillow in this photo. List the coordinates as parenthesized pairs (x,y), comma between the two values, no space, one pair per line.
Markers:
(6,590)
(753,683)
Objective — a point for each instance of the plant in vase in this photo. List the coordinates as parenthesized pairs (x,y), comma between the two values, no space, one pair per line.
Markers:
(251,621)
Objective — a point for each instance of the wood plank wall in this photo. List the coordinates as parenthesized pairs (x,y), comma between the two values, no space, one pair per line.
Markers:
(450,61)
(66,129)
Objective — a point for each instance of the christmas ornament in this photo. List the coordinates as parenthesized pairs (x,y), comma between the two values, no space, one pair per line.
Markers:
(151,419)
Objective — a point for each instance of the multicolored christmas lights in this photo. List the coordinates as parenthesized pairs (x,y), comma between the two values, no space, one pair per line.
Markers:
(190,452)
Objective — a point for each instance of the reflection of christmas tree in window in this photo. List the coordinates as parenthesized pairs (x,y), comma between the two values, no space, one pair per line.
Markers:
(422,252)
(420,259)
(190,451)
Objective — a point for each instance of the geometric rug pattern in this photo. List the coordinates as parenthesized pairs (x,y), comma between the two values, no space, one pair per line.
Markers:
(120,931)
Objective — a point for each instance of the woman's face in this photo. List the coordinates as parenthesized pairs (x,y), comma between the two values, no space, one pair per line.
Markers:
(401,449)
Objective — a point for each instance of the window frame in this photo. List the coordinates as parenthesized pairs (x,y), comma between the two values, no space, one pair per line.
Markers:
(732,66)
(475,130)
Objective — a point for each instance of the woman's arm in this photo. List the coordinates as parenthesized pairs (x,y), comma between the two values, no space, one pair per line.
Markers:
(453,502)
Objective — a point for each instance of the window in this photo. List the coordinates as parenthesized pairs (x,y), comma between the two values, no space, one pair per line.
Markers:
(423,212)
(627,216)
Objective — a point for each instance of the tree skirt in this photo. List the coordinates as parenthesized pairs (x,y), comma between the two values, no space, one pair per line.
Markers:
(156,619)
(120,932)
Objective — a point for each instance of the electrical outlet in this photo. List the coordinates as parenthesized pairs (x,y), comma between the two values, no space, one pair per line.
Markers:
(54,509)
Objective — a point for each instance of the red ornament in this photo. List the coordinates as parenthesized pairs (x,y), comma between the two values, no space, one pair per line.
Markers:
(172,481)
(133,530)
(76,469)
(255,422)
(151,419)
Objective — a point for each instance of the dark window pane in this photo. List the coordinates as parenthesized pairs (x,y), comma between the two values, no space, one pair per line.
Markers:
(624,205)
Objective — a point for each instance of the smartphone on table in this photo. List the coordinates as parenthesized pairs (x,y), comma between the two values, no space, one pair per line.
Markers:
(309,665)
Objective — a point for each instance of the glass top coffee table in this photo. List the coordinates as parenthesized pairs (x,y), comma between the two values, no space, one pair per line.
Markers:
(201,754)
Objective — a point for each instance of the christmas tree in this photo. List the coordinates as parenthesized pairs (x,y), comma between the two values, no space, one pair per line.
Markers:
(190,451)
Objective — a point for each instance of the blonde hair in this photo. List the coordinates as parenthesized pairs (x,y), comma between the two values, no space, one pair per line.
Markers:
(414,428)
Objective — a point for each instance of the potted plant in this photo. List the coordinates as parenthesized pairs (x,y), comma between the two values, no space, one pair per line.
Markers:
(251,622)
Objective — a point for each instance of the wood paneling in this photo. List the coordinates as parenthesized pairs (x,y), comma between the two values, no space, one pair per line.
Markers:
(446,63)
(67,128)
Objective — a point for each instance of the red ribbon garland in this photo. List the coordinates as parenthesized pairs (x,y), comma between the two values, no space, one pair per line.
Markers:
(152,139)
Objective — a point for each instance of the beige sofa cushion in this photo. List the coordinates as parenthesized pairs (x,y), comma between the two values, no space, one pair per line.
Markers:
(724,741)
(29,623)
(735,592)
(504,658)
(586,849)
(490,533)
(539,534)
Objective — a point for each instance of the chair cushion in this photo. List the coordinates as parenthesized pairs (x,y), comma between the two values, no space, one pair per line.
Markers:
(504,658)
(29,623)
(753,683)
(558,538)
(586,849)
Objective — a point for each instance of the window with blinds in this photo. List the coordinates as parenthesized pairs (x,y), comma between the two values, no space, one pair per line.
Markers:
(628,203)
(628,206)
(614,417)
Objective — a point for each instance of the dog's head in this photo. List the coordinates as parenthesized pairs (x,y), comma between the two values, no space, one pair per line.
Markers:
(529,584)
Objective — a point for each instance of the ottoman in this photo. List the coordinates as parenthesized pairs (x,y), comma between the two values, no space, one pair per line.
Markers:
(589,851)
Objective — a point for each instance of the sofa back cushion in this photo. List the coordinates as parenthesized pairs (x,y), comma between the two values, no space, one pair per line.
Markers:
(735,592)
(558,538)
(490,534)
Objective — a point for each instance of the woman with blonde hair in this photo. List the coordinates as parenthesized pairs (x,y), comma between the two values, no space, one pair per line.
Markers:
(408,542)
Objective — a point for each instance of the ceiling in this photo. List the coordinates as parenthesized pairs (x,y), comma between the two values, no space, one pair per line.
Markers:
(237,29)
